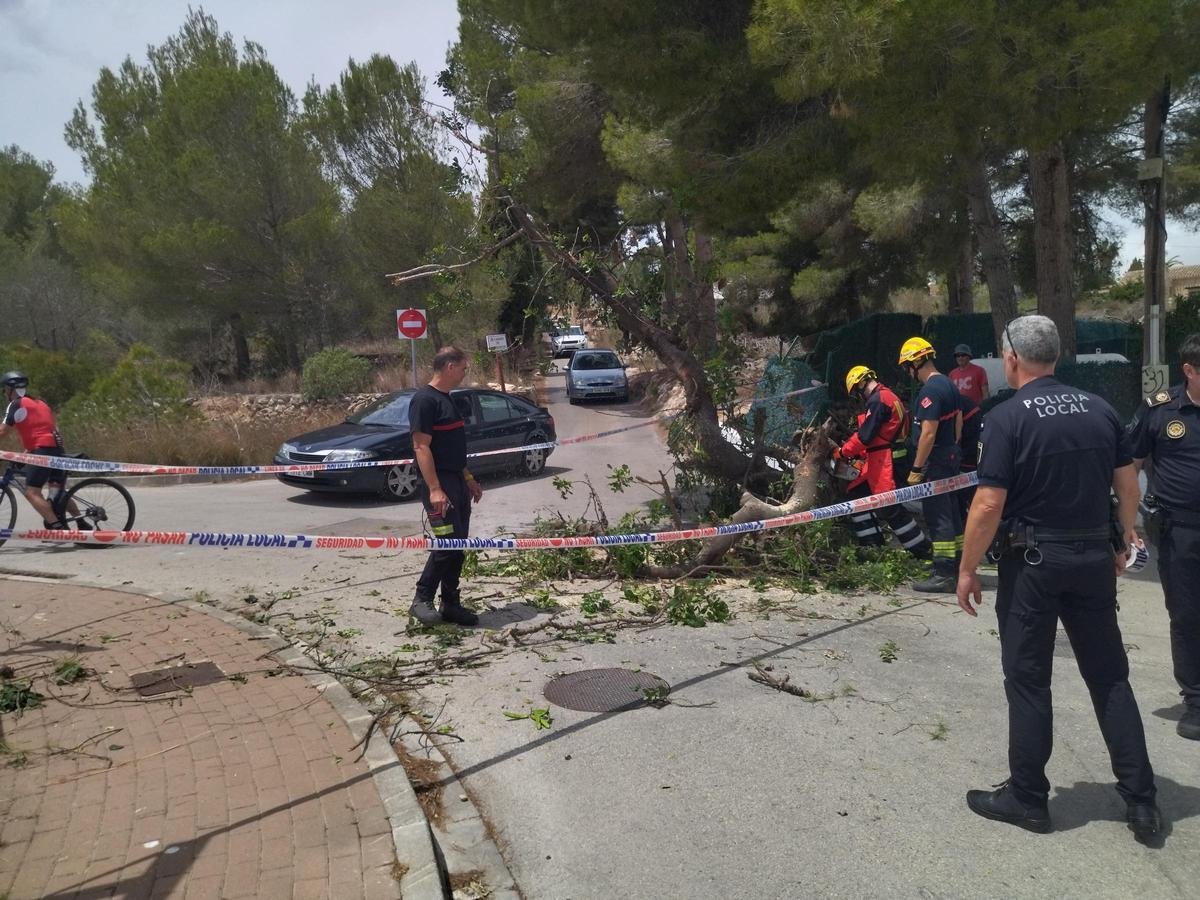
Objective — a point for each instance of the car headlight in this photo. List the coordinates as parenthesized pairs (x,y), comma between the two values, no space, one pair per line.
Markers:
(286,451)
(350,455)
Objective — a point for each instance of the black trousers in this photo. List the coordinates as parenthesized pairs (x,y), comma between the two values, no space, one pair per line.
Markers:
(444,567)
(943,516)
(1179,571)
(866,525)
(1074,583)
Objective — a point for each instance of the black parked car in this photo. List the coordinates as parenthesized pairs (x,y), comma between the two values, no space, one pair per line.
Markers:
(380,431)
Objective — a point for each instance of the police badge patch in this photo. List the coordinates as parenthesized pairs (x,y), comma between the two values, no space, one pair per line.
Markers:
(1176,429)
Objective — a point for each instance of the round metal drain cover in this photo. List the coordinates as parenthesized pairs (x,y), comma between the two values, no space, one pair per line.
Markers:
(604,690)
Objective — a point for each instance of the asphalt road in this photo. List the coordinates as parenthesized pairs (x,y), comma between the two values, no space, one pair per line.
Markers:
(732,789)
(265,505)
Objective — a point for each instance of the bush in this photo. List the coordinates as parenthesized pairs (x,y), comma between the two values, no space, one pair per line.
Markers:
(142,387)
(334,373)
(54,375)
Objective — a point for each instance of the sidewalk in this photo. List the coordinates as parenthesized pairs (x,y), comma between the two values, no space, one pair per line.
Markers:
(247,787)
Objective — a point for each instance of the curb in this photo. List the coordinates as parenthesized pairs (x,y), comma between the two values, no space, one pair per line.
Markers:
(412,835)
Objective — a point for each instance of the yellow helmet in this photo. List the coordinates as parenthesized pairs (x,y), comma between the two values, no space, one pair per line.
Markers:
(856,376)
(916,349)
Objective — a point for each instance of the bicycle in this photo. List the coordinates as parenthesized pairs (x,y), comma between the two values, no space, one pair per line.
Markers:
(103,504)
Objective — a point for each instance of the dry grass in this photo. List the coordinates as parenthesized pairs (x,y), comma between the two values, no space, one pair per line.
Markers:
(208,443)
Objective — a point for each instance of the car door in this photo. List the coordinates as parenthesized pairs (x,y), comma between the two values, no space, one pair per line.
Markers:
(498,428)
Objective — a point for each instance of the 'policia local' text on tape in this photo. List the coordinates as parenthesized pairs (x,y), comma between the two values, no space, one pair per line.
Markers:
(218,539)
(100,466)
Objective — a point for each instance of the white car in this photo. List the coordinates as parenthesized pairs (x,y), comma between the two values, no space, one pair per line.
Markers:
(563,343)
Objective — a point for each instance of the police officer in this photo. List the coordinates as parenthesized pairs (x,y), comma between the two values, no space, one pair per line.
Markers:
(448,488)
(1167,430)
(936,456)
(1049,457)
(880,440)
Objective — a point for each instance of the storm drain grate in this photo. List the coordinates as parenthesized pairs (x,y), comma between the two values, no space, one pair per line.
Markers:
(604,690)
(176,678)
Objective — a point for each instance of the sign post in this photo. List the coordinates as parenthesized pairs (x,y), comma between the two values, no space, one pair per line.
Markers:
(498,343)
(411,324)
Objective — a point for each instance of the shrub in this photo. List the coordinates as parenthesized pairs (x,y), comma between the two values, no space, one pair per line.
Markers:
(334,373)
(54,375)
(142,387)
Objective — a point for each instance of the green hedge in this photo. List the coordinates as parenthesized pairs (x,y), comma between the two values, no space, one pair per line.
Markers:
(334,373)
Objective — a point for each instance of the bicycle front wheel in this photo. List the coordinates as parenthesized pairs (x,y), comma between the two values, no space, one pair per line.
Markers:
(8,510)
(103,505)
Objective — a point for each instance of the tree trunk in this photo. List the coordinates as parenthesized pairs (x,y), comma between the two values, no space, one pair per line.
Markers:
(716,454)
(1052,241)
(1154,274)
(962,273)
(670,300)
(997,267)
(241,347)
(806,486)
(696,306)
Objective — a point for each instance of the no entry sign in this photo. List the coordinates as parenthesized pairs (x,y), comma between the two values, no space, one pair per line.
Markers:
(411,323)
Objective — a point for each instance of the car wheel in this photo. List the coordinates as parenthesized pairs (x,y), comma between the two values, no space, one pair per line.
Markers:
(401,482)
(533,462)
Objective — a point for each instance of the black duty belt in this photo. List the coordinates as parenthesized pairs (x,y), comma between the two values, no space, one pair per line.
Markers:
(1016,538)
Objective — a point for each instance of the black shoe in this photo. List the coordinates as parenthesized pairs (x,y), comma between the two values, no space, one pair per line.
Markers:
(1144,820)
(458,614)
(1189,725)
(936,584)
(1002,806)
(423,612)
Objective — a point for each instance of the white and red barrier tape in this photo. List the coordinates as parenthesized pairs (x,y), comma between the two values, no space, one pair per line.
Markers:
(220,539)
(100,466)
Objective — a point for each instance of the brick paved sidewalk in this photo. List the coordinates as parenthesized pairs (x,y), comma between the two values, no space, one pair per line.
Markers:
(249,787)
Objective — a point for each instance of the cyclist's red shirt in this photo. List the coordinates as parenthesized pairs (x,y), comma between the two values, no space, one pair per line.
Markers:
(34,421)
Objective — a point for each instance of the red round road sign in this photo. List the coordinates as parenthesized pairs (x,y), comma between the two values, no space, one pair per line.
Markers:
(411,323)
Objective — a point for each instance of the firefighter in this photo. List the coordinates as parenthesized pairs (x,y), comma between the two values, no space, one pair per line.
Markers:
(880,440)
(937,456)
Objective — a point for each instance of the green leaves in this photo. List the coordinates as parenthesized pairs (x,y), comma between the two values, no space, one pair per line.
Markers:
(541,718)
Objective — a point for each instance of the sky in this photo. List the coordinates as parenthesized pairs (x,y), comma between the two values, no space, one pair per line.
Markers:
(51,52)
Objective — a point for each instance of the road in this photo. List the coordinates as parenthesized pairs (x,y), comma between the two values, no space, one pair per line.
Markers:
(265,505)
(732,789)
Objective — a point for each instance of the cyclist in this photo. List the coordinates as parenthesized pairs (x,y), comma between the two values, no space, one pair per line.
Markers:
(34,421)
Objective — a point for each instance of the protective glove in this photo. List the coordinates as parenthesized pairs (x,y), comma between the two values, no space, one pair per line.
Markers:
(915,475)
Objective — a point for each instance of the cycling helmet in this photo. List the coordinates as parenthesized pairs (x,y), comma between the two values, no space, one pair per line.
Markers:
(15,380)
(857,376)
(916,349)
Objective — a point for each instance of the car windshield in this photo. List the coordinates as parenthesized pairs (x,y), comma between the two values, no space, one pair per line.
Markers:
(575,330)
(596,361)
(391,410)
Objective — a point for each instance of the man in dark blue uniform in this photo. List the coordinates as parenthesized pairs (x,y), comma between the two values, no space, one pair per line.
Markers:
(448,488)
(1049,457)
(1167,431)
(936,456)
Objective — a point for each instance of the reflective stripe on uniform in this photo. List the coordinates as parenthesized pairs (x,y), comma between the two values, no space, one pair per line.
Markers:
(945,549)
(442,530)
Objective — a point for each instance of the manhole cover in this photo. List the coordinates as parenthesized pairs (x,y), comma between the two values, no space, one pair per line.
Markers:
(604,690)
(177,678)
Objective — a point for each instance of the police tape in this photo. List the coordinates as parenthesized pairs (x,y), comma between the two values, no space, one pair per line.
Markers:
(218,539)
(100,466)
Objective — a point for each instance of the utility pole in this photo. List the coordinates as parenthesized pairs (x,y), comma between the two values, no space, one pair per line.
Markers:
(1152,175)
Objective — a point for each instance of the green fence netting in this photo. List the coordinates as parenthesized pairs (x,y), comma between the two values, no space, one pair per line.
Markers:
(873,341)
(947,332)
(785,414)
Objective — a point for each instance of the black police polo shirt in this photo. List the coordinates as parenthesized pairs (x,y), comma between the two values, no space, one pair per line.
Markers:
(1053,448)
(938,400)
(1166,428)
(433,412)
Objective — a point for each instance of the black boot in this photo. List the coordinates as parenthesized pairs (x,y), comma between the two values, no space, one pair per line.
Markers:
(453,611)
(1144,820)
(423,612)
(1001,806)
(1189,725)
(936,584)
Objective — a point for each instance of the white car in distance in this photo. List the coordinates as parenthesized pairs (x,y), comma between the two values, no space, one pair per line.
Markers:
(564,343)
(596,373)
